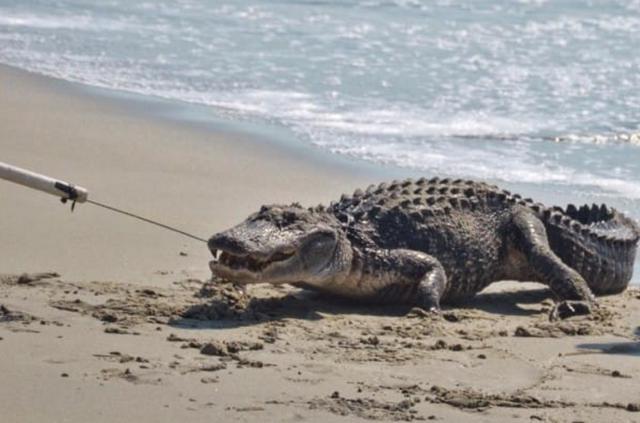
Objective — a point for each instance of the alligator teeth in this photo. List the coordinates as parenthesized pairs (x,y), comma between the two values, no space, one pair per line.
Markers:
(250,263)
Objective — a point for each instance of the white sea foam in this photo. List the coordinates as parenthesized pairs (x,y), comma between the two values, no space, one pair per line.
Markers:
(44,22)
(478,89)
(632,138)
(76,21)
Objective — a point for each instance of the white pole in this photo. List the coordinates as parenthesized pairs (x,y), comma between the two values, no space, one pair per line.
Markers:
(61,189)
(67,191)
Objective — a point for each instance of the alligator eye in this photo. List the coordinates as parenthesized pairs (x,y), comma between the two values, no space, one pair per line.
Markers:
(319,244)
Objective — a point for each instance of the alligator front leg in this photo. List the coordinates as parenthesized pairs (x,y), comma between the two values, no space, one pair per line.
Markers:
(405,276)
(567,284)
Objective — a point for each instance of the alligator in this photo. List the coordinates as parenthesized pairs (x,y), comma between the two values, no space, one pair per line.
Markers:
(428,242)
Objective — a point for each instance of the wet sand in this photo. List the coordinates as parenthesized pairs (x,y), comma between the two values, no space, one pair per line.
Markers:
(123,325)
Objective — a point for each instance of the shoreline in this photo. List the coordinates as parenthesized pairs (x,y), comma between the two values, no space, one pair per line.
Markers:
(198,117)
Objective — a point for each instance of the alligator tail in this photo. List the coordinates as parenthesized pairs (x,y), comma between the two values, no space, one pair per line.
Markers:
(598,242)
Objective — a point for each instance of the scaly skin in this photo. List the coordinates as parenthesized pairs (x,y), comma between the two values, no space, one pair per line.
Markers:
(432,241)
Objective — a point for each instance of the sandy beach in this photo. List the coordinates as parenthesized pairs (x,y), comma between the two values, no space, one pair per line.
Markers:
(106,319)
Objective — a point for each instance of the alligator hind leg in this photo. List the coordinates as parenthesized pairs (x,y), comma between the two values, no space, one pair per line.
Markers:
(567,284)
(430,288)
(407,276)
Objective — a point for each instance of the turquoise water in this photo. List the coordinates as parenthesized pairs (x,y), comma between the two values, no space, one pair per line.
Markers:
(538,95)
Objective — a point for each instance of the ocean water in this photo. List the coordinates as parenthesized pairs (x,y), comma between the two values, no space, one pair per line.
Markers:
(534,94)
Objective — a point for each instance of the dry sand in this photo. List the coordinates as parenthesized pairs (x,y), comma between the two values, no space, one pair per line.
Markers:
(126,328)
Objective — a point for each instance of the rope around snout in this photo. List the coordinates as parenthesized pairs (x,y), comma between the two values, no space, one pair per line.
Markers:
(144,219)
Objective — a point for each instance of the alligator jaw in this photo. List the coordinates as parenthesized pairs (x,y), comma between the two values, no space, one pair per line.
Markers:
(244,267)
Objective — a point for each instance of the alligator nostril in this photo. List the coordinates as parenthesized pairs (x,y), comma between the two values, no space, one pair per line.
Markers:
(213,242)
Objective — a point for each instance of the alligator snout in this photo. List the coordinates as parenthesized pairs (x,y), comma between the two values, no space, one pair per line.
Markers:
(225,241)
(249,238)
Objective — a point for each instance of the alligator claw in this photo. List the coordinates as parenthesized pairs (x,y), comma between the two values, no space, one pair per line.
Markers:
(566,309)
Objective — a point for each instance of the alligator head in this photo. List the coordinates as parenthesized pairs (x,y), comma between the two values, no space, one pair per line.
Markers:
(282,244)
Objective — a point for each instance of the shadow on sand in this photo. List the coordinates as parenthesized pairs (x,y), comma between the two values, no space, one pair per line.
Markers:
(626,348)
(310,305)
(509,303)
